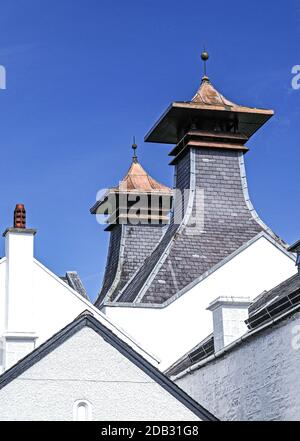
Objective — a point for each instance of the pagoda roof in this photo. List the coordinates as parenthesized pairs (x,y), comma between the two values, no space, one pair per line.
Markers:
(209,103)
(207,95)
(136,181)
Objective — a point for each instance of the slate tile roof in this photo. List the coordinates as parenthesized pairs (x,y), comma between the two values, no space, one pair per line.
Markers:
(129,247)
(204,349)
(73,280)
(283,289)
(186,253)
(114,254)
(275,302)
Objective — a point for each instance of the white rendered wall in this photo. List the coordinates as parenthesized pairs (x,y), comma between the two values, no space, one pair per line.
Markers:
(257,381)
(18,337)
(19,281)
(228,321)
(35,304)
(2,294)
(15,349)
(94,372)
(172,331)
(2,309)
(56,305)
(233,324)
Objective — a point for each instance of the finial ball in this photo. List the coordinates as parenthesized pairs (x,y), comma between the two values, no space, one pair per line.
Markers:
(204,56)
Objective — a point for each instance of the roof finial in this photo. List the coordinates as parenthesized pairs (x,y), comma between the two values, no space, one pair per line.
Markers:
(134,147)
(204,57)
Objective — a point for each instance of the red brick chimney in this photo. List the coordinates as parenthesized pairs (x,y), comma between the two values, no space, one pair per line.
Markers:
(20,216)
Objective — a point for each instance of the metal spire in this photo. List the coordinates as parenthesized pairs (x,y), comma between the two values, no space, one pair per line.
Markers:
(205,57)
(134,147)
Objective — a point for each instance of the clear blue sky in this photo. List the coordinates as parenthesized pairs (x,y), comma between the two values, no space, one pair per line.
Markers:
(83,76)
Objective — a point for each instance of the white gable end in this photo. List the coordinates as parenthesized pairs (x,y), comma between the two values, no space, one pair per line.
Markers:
(87,369)
(35,303)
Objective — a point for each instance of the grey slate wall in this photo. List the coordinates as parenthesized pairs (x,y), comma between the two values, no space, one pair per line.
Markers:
(112,261)
(138,242)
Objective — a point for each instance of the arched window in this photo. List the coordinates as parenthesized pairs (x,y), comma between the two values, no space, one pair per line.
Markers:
(82,411)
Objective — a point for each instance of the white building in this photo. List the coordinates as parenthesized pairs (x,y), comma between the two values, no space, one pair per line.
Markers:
(34,302)
(182,290)
(86,372)
(249,373)
(215,245)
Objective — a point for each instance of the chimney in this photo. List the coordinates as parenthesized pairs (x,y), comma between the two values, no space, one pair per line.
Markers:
(19,320)
(295,248)
(229,315)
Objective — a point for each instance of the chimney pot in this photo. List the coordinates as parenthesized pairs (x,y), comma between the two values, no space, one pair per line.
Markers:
(20,216)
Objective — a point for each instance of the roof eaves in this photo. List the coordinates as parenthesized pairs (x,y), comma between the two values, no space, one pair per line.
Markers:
(199,352)
(273,309)
(234,345)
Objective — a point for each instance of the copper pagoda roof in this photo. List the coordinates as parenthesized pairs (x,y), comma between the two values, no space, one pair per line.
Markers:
(139,181)
(207,95)
(136,181)
(208,103)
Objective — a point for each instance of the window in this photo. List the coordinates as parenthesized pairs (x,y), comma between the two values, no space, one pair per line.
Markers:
(82,411)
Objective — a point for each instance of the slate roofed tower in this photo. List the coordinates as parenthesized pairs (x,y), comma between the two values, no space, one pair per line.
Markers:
(213,216)
(137,209)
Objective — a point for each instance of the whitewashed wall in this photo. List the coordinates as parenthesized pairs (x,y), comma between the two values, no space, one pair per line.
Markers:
(259,380)
(2,308)
(2,294)
(172,331)
(35,303)
(86,368)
